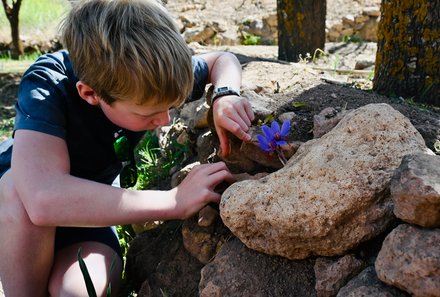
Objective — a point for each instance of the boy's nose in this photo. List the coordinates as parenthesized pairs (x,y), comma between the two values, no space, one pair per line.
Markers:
(162,119)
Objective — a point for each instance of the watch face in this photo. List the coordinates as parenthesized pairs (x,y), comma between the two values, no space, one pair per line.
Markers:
(220,92)
(222,89)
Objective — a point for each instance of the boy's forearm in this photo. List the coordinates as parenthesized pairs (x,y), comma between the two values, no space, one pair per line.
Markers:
(224,69)
(72,201)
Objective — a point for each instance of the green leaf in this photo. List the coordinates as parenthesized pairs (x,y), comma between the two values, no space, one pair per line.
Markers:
(112,267)
(298,104)
(109,290)
(89,284)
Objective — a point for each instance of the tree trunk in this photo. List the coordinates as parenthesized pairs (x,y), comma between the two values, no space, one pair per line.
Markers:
(12,15)
(408,50)
(301,28)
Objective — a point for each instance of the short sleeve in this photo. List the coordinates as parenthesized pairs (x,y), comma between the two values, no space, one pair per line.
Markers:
(41,104)
(201,74)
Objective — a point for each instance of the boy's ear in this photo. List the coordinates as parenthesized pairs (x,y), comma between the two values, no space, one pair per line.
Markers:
(87,93)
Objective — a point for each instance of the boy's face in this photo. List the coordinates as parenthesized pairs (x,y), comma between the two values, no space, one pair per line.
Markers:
(129,115)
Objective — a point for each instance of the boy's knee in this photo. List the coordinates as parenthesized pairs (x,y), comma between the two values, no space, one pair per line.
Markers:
(73,284)
(67,278)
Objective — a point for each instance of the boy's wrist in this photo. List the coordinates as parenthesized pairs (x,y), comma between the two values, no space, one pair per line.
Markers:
(218,92)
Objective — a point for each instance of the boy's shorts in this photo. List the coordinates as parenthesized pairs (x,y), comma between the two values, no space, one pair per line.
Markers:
(66,236)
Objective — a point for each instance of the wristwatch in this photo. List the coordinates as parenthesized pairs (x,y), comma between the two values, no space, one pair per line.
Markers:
(214,93)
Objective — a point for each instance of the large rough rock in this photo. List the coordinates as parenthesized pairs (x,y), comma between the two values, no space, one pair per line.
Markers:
(415,190)
(410,260)
(239,271)
(333,193)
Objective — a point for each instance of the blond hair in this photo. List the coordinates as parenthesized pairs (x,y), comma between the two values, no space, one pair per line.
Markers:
(128,49)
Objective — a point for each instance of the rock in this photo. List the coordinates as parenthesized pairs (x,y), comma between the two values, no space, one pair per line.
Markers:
(415,190)
(207,216)
(180,175)
(326,120)
(372,11)
(195,114)
(206,146)
(159,257)
(333,193)
(260,103)
(203,242)
(363,64)
(366,284)
(145,290)
(200,35)
(410,260)
(332,274)
(348,21)
(239,271)
(368,31)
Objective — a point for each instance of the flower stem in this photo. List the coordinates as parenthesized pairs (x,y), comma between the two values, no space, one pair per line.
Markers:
(281,156)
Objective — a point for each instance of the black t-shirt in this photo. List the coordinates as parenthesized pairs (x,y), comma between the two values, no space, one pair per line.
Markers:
(48,102)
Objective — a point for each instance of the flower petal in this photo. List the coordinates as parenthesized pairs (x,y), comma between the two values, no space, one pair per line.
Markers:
(264,144)
(285,128)
(281,142)
(268,133)
(275,127)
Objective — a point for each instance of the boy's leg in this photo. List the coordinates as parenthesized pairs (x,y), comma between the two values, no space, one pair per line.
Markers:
(27,250)
(67,278)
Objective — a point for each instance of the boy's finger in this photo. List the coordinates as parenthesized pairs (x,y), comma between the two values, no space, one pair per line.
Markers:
(221,176)
(245,118)
(236,125)
(249,111)
(224,143)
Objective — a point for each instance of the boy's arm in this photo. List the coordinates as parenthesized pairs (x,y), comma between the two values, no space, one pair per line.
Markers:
(52,197)
(231,113)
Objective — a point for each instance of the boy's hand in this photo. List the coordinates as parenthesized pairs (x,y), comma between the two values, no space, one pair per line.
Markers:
(198,188)
(233,114)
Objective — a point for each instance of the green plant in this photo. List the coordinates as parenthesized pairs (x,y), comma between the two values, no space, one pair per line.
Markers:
(125,235)
(371,75)
(250,39)
(6,127)
(318,54)
(156,163)
(353,38)
(336,63)
(88,280)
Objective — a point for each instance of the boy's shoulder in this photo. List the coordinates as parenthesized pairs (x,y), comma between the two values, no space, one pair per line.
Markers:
(56,64)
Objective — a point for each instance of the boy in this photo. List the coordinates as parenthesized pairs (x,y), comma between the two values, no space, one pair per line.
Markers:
(125,67)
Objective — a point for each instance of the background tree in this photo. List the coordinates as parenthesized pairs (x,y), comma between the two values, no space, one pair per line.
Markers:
(12,16)
(408,50)
(301,28)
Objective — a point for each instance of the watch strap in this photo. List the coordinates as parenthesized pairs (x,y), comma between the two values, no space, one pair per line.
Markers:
(215,93)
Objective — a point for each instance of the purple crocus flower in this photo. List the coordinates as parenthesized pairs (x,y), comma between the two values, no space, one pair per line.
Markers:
(274,136)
